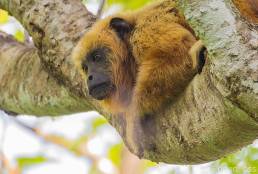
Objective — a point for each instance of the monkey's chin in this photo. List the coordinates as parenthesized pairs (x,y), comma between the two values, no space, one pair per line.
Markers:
(101,91)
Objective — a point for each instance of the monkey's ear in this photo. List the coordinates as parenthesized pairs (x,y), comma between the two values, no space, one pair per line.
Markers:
(198,53)
(121,26)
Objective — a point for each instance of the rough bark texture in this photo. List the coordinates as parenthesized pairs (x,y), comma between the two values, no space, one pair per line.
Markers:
(55,26)
(233,48)
(33,82)
(216,115)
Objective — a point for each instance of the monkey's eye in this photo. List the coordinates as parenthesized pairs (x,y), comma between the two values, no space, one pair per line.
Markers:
(96,58)
(85,68)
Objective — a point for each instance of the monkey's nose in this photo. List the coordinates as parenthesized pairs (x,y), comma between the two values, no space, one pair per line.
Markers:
(99,86)
(95,79)
(90,78)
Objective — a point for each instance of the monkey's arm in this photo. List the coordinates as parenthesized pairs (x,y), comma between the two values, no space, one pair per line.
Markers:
(159,82)
(165,69)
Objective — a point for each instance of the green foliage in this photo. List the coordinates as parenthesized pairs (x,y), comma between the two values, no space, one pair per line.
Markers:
(126,4)
(3,16)
(148,164)
(19,35)
(245,161)
(115,153)
(30,161)
(129,4)
(76,144)
(94,170)
(98,122)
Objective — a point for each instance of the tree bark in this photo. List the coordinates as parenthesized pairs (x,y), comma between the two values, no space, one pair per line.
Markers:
(217,114)
(26,88)
(41,80)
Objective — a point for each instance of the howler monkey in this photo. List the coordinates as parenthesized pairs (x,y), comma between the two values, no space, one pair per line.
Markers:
(139,61)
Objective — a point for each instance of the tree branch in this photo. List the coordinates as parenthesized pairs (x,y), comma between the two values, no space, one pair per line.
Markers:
(101,9)
(26,88)
(233,48)
(218,112)
(216,115)
(55,31)
(55,26)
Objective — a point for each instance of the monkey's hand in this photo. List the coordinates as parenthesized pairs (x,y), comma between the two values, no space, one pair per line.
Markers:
(198,53)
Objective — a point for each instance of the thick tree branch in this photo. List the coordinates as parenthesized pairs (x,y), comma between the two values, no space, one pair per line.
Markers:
(27,88)
(233,48)
(218,112)
(216,115)
(55,26)
(55,31)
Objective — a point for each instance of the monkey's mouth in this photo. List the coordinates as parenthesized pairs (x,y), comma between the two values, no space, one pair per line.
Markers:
(101,91)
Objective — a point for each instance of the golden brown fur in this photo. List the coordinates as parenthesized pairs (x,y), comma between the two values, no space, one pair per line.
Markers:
(152,65)
(248,9)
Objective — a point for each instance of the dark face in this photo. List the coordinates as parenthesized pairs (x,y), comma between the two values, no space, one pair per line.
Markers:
(97,67)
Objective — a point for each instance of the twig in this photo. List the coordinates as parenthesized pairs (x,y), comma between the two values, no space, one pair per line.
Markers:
(7,166)
(101,8)
(61,142)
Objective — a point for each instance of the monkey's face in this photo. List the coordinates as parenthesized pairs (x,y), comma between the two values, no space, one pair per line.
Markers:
(102,57)
(96,66)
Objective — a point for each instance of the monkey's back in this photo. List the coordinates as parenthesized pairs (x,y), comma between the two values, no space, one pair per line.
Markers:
(154,27)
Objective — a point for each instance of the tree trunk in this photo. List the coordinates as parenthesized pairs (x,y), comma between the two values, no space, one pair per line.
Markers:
(216,115)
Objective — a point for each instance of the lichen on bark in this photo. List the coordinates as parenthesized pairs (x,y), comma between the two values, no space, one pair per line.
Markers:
(216,115)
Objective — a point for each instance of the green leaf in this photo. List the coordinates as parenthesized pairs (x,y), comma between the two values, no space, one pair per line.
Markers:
(30,161)
(98,122)
(3,16)
(79,142)
(115,153)
(244,161)
(148,164)
(94,170)
(129,4)
(19,35)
